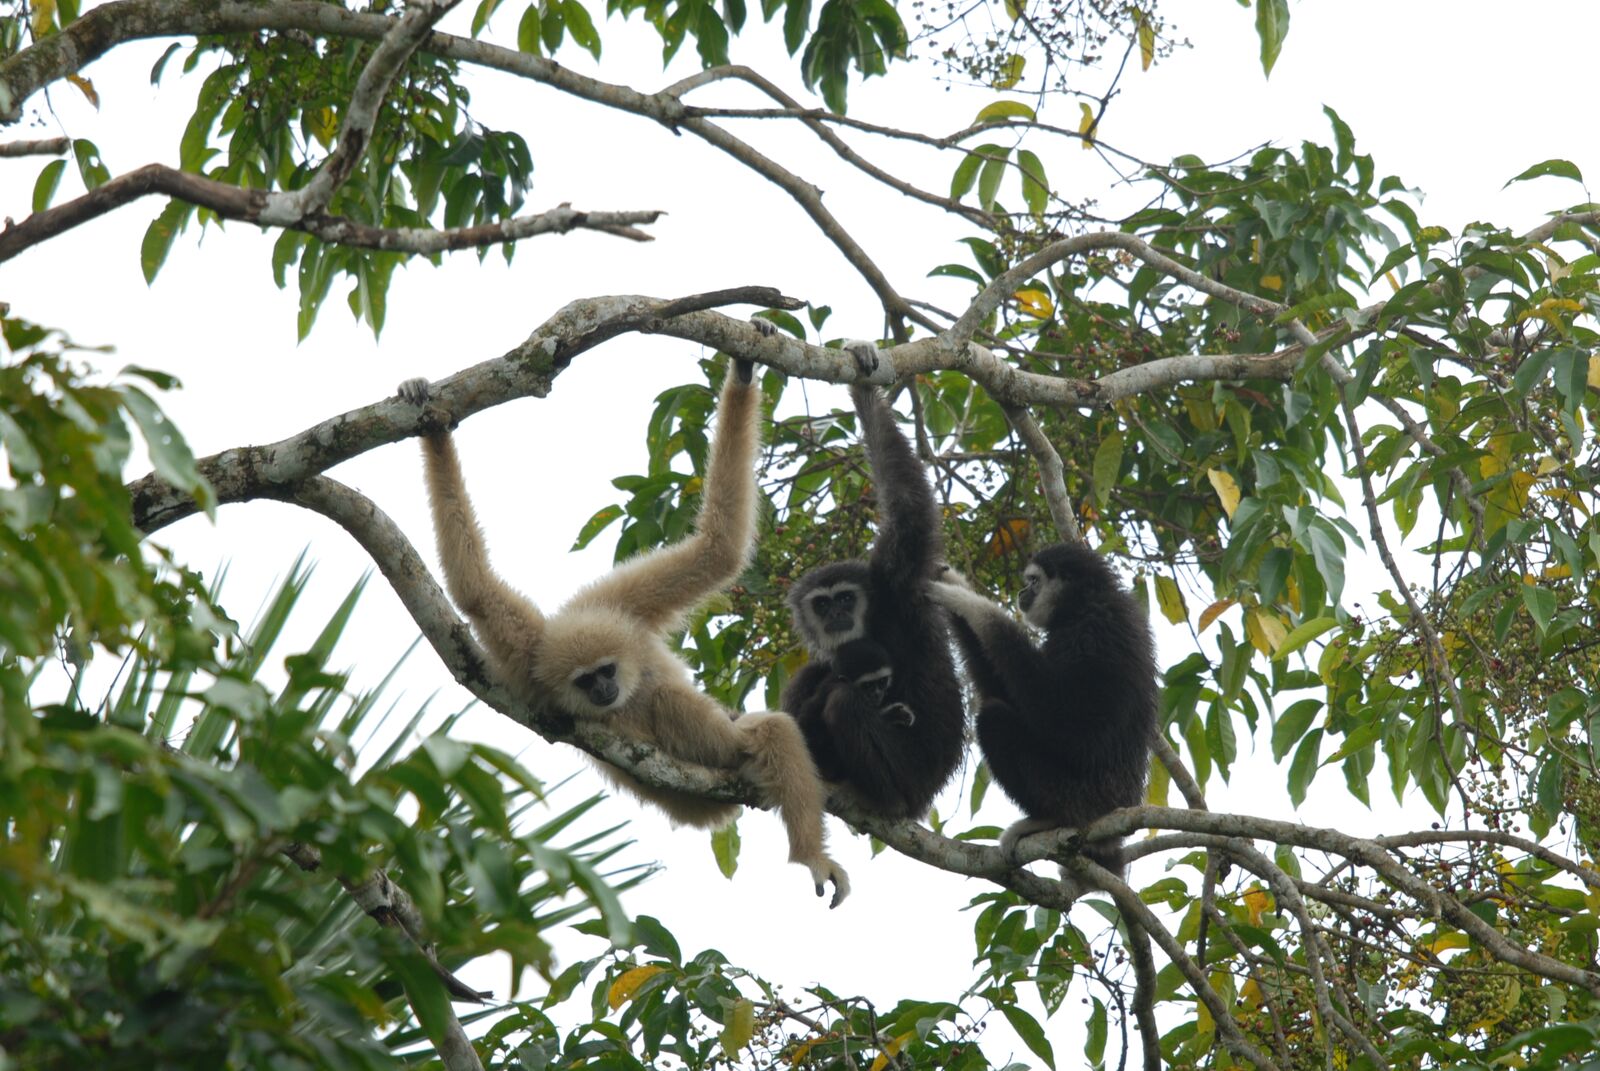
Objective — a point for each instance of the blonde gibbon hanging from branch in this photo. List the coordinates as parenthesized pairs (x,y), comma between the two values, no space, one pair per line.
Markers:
(604,653)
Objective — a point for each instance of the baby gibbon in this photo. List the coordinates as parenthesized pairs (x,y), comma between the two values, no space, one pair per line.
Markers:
(604,653)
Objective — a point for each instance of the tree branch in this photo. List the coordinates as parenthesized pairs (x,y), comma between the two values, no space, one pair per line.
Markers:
(35,147)
(256,206)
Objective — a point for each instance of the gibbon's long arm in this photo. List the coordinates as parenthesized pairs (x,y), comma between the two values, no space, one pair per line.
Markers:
(997,649)
(507,623)
(662,586)
(909,538)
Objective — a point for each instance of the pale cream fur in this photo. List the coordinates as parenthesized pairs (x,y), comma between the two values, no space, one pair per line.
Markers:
(624,617)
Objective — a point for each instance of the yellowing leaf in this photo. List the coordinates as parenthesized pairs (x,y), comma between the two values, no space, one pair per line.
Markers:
(1170,599)
(1250,993)
(322,124)
(1393,280)
(628,983)
(890,1047)
(1567,495)
(1010,72)
(1009,537)
(1547,465)
(1086,124)
(1256,901)
(1557,572)
(1489,465)
(1147,43)
(1445,942)
(1156,788)
(1272,282)
(1520,482)
(44,16)
(87,87)
(739,1029)
(1227,489)
(1265,630)
(1214,611)
(1015,8)
(1005,109)
(1035,303)
(1594,372)
(799,1052)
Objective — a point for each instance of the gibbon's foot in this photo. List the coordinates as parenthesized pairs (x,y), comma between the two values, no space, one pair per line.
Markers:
(419,392)
(1011,838)
(824,870)
(766,327)
(414,391)
(899,714)
(747,369)
(865,354)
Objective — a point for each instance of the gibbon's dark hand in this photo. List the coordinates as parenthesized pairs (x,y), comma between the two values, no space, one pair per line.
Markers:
(747,369)
(899,714)
(865,354)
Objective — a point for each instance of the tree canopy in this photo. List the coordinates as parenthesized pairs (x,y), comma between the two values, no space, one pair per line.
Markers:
(1345,454)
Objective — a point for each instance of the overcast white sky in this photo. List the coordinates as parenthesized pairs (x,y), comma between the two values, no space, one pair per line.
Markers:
(1454,96)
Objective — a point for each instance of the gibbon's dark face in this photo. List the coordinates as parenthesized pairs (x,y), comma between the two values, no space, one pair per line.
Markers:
(830,606)
(1057,573)
(598,684)
(864,665)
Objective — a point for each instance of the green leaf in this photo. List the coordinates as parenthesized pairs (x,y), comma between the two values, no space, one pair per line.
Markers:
(91,168)
(1303,634)
(1559,168)
(1272,26)
(159,236)
(528,31)
(44,188)
(1107,466)
(596,524)
(725,847)
(994,169)
(1292,725)
(169,453)
(1304,766)
(581,26)
(1035,188)
(1031,1033)
(1541,604)
(1094,1043)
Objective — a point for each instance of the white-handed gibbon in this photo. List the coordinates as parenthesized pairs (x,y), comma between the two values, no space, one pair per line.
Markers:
(890,769)
(1065,726)
(604,653)
(859,688)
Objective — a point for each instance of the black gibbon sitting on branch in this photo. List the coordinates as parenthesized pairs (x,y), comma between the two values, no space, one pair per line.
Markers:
(1065,726)
(888,768)
(604,653)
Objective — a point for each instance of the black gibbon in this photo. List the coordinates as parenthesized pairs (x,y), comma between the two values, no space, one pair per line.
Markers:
(857,689)
(1065,726)
(889,769)
(604,653)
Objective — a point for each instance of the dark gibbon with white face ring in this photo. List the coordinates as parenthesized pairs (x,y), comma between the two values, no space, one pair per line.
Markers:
(604,653)
(889,768)
(1065,725)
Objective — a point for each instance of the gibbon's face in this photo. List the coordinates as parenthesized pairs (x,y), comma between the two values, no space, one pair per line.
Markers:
(601,686)
(837,614)
(1039,595)
(874,684)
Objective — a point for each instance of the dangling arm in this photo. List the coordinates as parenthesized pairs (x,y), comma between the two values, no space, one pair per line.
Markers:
(909,538)
(507,623)
(661,586)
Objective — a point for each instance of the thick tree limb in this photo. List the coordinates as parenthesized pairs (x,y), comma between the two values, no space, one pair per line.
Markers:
(257,206)
(529,369)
